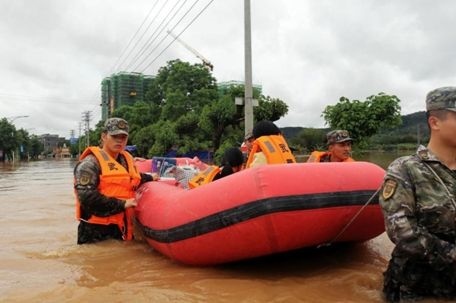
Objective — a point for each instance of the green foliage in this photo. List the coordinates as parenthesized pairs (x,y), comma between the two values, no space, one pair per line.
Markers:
(180,87)
(23,141)
(364,119)
(216,118)
(271,109)
(412,131)
(36,147)
(18,142)
(237,91)
(309,139)
(144,139)
(8,138)
(164,138)
(184,111)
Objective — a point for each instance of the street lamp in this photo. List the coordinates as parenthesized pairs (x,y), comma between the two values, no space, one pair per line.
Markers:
(12,119)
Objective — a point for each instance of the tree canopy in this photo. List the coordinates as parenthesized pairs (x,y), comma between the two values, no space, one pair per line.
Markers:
(184,110)
(18,142)
(363,119)
(8,137)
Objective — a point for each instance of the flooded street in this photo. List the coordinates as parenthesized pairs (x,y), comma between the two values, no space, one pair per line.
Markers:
(40,261)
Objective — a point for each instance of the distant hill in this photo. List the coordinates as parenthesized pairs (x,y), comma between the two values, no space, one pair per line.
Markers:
(412,122)
(413,125)
(412,130)
(291,131)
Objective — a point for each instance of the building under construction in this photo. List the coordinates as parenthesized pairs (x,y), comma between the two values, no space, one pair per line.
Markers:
(122,88)
(224,86)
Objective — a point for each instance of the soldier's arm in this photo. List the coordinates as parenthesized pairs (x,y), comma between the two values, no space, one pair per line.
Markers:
(397,200)
(147,178)
(87,179)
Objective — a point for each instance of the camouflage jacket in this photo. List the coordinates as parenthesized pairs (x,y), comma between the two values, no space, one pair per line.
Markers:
(92,201)
(419,210)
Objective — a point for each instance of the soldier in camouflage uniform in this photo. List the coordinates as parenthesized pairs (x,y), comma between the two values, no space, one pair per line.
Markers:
(339,148)
(418,203)
(87,176)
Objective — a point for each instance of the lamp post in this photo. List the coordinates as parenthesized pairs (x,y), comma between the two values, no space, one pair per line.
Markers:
(11,120)
(14,118)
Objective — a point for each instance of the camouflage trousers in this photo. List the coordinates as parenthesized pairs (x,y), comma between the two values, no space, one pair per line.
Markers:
(91,233)
(408,279)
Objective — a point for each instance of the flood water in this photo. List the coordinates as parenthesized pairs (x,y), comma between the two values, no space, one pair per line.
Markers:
(40,261)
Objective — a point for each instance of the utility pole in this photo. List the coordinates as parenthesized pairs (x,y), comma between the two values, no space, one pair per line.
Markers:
(79,139)
(248,94)
(72,141)
(86,119)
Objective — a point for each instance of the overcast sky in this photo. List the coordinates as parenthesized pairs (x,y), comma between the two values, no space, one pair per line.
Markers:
(54,53)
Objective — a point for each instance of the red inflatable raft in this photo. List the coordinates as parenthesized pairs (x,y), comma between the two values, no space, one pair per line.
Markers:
(261,211)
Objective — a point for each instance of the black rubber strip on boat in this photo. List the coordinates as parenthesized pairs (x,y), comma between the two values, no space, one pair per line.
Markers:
(258,208)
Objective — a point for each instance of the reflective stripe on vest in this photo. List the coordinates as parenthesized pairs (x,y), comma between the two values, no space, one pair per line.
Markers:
(275,149)
(117,182)
(204,177)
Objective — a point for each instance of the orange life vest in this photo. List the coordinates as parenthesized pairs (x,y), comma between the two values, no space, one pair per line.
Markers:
(204,177)
(117,182)
(274,147)
(318,156)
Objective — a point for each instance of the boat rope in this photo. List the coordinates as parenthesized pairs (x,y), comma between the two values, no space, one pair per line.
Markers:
(443,184)
(351,220)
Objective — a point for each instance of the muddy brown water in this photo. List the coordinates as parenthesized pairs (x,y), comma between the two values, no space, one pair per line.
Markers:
(40,261)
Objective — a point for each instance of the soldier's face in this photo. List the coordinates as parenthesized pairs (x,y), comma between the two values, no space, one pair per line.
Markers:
(114,144)
(249,143)
(448,128)
(340,151)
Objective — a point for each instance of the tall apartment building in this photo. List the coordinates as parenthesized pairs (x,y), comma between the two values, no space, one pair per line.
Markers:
(122,88)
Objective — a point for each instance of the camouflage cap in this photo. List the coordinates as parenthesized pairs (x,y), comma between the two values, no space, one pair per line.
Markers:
(441,98)
(116,126)
(337,136)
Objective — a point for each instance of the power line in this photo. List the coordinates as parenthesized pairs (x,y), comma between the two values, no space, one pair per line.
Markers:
(150,40)
(139,39)
(166,36)
(177,36)
(96,105)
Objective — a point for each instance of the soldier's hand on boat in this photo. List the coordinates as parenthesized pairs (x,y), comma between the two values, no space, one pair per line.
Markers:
(130,203)
(154,176)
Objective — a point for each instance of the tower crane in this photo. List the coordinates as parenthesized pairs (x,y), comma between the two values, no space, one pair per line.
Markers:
(206,62)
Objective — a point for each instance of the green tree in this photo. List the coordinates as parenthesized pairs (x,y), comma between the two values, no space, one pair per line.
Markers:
(180,87)
(23,141)
(185,111)
(8,139)
(138,115)
(36,147)
(165,138)
(271,109)
(144,139)
(364,118)
(217,117)
(310,139)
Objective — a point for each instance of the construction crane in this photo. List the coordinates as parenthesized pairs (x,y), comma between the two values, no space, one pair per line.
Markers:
(206,62)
